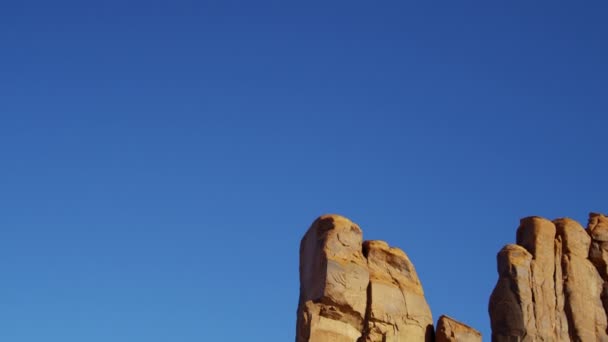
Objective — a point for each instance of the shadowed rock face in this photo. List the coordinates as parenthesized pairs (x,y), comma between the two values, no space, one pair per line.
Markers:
(357,291)
(550,285)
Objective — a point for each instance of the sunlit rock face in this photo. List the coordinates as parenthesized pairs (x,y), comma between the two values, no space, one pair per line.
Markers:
(552,283)
(333,281)
(397,308)
(450,330)
(552,286)
(362,291)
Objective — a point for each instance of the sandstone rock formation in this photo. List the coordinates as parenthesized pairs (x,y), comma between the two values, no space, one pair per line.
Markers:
(397,309)
(552,283)
(598,252)
(450,330)
(355,291)
(333,282)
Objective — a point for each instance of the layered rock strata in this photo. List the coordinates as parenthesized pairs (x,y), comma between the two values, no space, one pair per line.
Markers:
(356,291)
(551,286)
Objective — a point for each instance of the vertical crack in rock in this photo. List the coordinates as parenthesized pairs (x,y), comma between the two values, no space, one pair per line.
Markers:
(358,291)
(368,313)
(561,318)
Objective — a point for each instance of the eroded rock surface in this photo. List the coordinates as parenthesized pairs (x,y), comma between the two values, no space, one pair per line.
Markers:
(333,281)
(397,308)
(450,330)
(552,283)
(357,291)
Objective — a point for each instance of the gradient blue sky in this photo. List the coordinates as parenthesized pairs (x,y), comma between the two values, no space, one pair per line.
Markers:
(161,161)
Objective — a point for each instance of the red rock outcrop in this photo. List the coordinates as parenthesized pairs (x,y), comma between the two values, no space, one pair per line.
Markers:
(357,291)
(550,285)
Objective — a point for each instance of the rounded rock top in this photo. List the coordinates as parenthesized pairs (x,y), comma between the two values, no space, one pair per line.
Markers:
(334,217)
(329,222)
(534,220)
(566,221)
(384,246)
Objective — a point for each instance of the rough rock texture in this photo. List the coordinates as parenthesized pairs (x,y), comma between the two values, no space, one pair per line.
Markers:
(397,309)
(552,283)
(358,291)
(333,281)
(597,228)
(598,231)
(450,330)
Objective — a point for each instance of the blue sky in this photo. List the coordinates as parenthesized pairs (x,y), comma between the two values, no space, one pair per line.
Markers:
(161,161)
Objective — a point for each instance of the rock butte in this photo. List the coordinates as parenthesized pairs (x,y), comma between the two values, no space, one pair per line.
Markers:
(363,291)
(552,286)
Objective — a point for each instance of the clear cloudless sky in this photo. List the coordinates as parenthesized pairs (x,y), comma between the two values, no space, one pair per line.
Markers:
(159,162)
